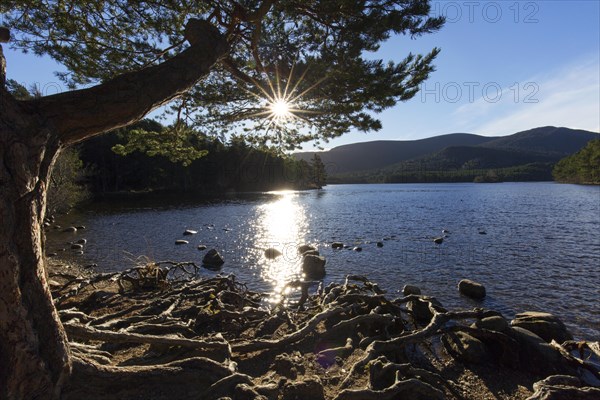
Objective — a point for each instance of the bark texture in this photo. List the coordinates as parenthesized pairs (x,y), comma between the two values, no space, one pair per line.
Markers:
(34,354)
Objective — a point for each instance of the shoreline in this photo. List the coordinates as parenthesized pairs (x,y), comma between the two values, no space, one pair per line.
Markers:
(322,347)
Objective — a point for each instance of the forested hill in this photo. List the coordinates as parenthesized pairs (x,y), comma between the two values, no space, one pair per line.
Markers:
(382,153)
(527,155)
(548,140)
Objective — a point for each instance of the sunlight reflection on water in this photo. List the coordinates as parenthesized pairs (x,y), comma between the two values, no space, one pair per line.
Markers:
(282,225)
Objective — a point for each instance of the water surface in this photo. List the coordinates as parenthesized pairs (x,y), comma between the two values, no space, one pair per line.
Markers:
(540,250)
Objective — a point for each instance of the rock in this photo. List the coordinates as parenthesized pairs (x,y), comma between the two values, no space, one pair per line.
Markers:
(545,325)
(495,323)
(410,289)
(285,365)
(337,245)
(420,308)
(272,253)
(357,248)
(311,253)
(438,240)
(471,289)
(466,348)
(80,227)
(76,246)
(47,224)
(201,247)
(445,231)
(51,254)
(537,356)
(81,241)
(189,232)
(379,244)
(56,227)
(563,387)
(213,259)
(313,266)
(181,241)
(70,229)
(482,232)
(78,252)
(306,389)
(305,247)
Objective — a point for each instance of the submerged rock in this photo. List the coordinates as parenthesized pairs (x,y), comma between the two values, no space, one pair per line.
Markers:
(189,232)
(337,245)
(213,259)
(201,247)
(180,241)
(438,240)
(313,266)
(379,244)
(70,229)
(545,325)
(76,246)
(471,289)
(81,241)
(357,248)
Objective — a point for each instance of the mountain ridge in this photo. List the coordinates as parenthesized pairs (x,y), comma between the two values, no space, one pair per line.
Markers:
(546,144)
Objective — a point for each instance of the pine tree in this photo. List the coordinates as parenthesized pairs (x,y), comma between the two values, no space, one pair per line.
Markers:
(222,65)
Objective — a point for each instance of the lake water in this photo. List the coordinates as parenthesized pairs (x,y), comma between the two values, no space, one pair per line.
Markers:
(540,250)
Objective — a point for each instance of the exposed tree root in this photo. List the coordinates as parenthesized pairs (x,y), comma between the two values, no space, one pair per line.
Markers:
(134,340)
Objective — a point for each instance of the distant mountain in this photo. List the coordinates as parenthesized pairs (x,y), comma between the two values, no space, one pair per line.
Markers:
(548,140)
(382,153)
(457,151)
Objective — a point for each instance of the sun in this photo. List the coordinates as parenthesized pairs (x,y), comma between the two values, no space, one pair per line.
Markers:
(280,109)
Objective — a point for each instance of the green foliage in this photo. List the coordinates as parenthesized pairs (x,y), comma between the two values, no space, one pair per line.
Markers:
(233,166)
(178,144)
(66,189)
(19,91)
(581,167)
(521,173)
(313,53)
(318,173)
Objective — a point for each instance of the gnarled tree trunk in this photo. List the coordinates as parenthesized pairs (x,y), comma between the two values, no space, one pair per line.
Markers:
(34,352)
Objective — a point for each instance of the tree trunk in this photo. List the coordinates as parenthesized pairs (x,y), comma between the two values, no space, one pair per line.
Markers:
(34,353)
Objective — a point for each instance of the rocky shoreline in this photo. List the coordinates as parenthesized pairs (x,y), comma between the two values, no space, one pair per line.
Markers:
(156,332)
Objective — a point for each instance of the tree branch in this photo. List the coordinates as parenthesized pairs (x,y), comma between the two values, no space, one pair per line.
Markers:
(80,114)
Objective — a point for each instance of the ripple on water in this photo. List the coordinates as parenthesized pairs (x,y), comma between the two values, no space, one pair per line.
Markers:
(541,250)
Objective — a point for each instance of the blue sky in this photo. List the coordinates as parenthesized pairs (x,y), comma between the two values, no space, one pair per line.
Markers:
(505,66)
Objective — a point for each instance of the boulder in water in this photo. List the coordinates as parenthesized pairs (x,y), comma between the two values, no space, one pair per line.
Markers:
(180,241)
(213,259)
(189,232)
(305,247)
(471,289)
(272,253)
(313,266)
(411,289)
(337,245)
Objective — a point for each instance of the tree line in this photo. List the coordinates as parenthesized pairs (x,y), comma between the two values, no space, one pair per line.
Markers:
(139,159)
(581,167)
